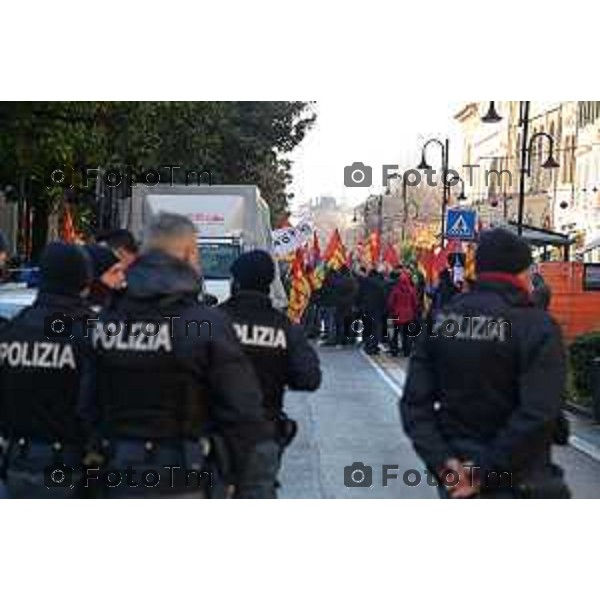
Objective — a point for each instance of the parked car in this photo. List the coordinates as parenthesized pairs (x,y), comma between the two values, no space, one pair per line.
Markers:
(14,297)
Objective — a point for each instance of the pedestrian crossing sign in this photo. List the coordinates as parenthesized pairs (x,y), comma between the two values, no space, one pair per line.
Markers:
(460,224)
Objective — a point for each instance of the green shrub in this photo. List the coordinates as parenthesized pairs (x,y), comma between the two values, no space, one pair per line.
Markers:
(582,353)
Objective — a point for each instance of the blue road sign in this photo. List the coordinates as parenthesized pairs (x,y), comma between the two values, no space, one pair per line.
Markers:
(460,224)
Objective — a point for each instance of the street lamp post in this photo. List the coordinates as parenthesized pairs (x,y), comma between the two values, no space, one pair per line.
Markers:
(404,209)
(526,149)
(462,195)
(423,165)
(404,203)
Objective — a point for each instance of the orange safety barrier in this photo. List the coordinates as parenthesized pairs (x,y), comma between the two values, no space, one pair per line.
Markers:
(575,310)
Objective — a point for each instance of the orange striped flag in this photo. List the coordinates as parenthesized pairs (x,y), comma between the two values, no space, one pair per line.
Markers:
(68,233)
(335,253)
(301,288)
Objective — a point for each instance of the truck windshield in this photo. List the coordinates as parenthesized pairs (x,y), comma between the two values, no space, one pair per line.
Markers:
(217,259)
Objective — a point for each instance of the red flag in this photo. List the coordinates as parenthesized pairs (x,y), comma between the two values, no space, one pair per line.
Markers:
(390,256)
(68,233)
(331,245)
(335,253)
(440,260)
(375,247)
(425,259)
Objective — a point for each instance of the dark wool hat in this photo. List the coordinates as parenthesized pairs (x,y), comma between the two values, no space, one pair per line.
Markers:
(64,269)
(254,270)
(118,238)
(103,258)
(501,250)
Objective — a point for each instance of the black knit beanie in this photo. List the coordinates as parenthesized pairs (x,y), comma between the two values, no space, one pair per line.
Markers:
(65,269)
(501,250)
(254,270)
(103,258)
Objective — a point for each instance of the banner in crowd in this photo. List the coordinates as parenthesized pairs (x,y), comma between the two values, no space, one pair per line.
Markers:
(287,240)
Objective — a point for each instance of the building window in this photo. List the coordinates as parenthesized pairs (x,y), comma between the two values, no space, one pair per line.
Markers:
(569,159)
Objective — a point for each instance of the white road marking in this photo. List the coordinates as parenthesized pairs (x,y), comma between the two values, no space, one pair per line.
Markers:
(580,444)
(575,441)
(381,371)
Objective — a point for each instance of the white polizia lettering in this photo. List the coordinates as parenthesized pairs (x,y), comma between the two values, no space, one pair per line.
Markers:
(37,355)
(134,336)
(260,335)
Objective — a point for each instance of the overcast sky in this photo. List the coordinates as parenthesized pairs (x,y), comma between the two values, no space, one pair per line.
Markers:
(375,132)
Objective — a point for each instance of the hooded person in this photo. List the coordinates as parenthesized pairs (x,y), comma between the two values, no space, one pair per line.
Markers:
(109,274)
(402,309)
(278,349)
(46,367)
(174,387)
(484,391)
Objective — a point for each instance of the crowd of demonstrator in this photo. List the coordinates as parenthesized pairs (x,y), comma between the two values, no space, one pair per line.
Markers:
(372,307)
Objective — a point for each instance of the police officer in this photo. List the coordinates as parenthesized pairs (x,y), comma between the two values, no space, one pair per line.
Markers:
(122,243)
(280,353)
(109,276)
(484,389)
(173,381)
(45,381)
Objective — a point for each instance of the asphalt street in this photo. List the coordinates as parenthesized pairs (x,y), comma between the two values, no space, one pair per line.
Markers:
(354,418)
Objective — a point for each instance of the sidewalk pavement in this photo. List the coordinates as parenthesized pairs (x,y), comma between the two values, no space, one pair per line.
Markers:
(585,434)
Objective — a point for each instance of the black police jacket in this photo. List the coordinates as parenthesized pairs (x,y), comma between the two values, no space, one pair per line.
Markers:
(492,393)
(46,372)
(279,351)
(169,367)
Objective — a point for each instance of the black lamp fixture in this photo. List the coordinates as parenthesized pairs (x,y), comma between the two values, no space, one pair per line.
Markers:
(526,151)
(423,166)
(491,116)
(550,163)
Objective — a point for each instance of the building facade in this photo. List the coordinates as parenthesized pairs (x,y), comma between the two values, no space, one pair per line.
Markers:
(564,199)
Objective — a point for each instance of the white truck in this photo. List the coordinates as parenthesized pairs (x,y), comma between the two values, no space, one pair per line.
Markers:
(229,220)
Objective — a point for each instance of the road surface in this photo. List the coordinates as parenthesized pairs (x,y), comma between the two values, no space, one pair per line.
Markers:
(354,418)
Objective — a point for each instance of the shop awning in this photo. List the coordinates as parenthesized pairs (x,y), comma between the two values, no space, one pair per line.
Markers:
(537,236)
(595,243)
